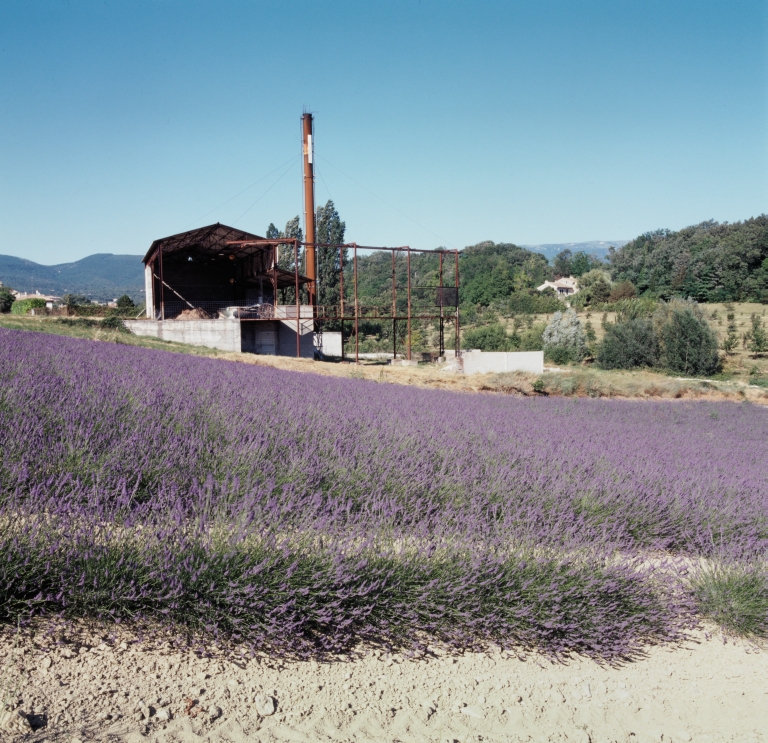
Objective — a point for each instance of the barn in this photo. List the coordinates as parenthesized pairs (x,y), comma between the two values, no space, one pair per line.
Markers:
(226,288)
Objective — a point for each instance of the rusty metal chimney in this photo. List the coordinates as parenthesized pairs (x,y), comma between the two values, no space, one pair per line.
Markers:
(309,204)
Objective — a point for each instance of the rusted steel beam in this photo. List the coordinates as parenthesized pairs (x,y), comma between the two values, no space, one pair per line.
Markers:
(394,308)
(456,324)
(341,284)
(402,248)
(441,331)
(357,311)
(162,283)
(409,303)
(298,302)
(274,276)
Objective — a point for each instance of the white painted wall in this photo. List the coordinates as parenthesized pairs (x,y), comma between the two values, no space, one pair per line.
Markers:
(149,297)
(484,362)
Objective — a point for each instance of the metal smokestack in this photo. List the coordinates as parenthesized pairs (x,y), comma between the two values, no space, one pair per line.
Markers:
(309,204)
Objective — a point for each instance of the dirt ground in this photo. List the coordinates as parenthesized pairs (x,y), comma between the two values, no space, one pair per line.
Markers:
(98,687)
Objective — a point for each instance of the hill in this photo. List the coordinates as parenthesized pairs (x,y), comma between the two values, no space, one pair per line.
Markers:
(710,262)
(102,276)
(600,248)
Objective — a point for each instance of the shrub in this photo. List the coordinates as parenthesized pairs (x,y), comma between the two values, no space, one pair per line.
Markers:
(23,306)
(487,338)
(622,290)
(594,288)
(634,309)
(125,302)
(628,345)
(532,338)
(114,323)
(111,323)
(531,302)
(736,597)
(563,339)
(687,344)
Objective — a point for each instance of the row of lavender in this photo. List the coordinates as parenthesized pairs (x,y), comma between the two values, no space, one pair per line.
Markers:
(309,513)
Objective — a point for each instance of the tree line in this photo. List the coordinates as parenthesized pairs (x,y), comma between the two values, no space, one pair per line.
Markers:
(708,262)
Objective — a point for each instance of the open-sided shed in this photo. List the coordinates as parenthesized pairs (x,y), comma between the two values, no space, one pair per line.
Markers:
(206,269)
(219,286)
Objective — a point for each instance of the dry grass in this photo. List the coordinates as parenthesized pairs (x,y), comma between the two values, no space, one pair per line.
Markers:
(576,381)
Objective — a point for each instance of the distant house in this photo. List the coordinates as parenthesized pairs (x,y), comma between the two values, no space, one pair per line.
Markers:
(563,287)
(50,300)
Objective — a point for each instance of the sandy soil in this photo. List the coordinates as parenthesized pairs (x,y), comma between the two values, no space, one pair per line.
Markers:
(99,688)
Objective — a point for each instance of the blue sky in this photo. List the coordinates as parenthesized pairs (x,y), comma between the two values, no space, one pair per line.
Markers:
(437,123)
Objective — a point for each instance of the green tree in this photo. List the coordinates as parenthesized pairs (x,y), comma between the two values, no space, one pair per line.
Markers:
(594,288)
(628,345)
(563,263)
(731,340)
(125,303)
(709,262)
(622,290)
(582,263)
(6,299)
(688,345)
(564,339)
(758,341)
(329,229)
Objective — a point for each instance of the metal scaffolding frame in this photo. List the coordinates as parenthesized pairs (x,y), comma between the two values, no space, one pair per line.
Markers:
(324,314)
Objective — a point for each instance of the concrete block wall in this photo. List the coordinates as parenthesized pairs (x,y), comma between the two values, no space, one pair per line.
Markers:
(221,334)
(286,341)
(484,362)
(259,337)
(329,344)
(272,338)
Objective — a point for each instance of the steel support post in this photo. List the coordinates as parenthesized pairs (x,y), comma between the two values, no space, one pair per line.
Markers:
(441,331)
(458,330)
(162,284)
(409,303)
(357,311)
(298,302)
(341,289)
(394,309)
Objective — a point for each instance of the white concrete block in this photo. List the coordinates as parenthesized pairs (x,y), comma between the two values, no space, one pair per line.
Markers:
(485,362)
(329,344)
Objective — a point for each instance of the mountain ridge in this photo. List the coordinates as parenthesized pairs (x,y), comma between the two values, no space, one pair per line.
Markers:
(100,276)
(596,247)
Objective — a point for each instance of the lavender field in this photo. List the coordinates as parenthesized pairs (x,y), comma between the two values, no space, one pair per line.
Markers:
(305,514)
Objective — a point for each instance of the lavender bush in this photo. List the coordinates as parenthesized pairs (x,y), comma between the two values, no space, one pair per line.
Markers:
(309,513)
